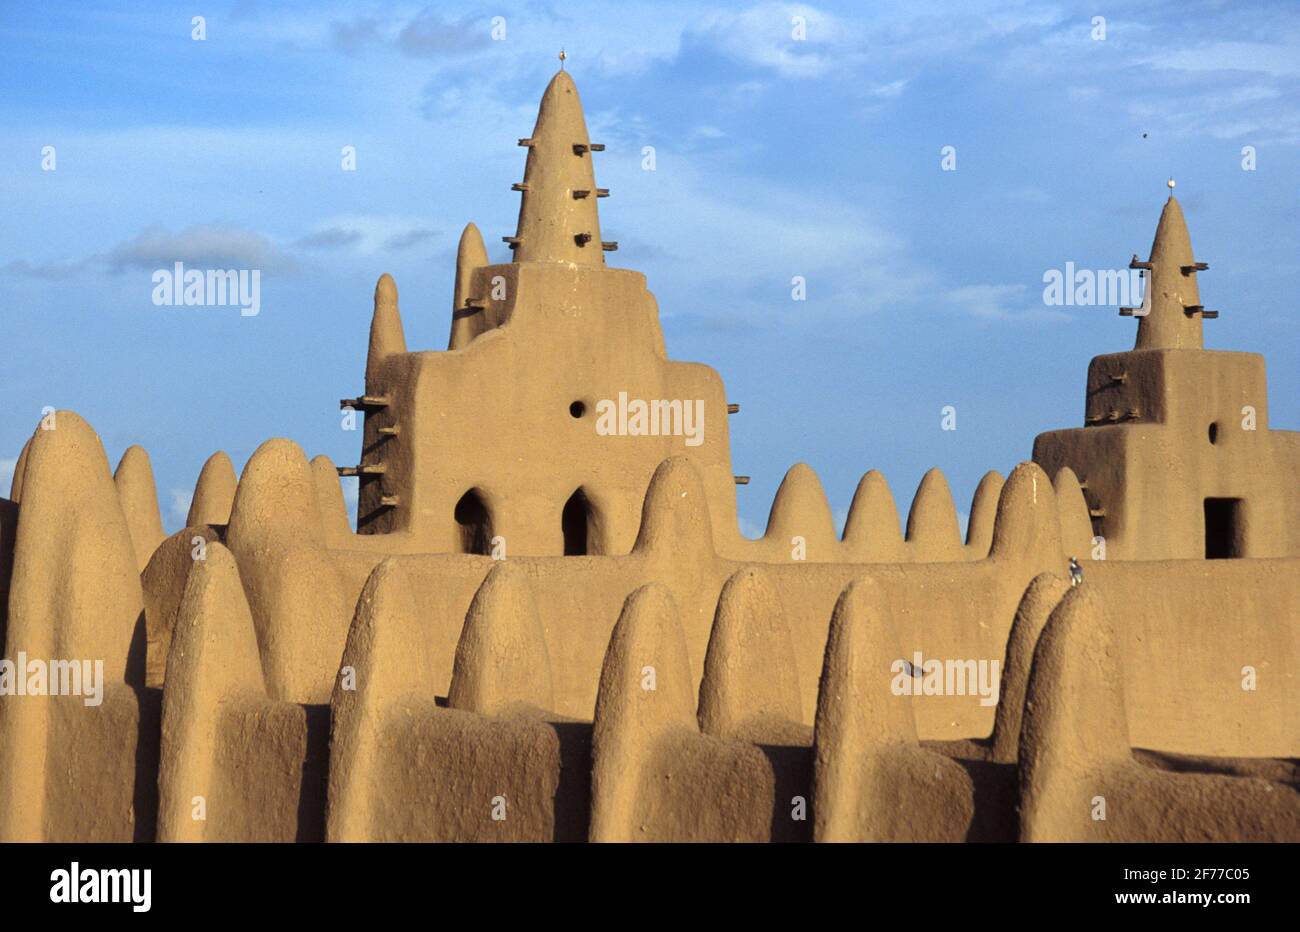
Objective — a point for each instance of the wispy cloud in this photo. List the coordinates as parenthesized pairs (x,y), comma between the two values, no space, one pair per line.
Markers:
(202,246)
(399,241)
(794,40)
(178,508)
(1274,59)
(1001,302)
(356,34)
(351,498)
(330,238)
(205,245)
(428,35)
(46,271)
(368,234)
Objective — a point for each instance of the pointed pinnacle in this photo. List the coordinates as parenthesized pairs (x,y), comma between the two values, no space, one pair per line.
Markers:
(471,254)
(386,333)
(552,221)
(1171,289)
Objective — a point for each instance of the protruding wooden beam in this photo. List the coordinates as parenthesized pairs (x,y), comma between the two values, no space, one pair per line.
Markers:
(1195,267)
(1199,309)
(1096,512)
(390,431)
(519,186)
(1135,263)
(511,241)
(1119,379)
(1128,311)
(742,480)
(609,246)
(526,142)
(733,408)
(602,192)
(365,402)
(580,193)
(365,469)
(475,304)
(388,501)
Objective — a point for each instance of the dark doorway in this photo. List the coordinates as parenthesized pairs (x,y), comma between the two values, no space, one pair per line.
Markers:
(1223,531)
(474,524)
(578,521)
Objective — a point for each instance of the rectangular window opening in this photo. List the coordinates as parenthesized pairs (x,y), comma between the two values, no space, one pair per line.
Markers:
(1223,529)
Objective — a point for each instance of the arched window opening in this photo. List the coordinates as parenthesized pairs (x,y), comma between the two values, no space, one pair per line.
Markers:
(579,521)
(473,524)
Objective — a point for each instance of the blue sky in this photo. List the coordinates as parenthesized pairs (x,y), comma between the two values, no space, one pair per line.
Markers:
(774,158)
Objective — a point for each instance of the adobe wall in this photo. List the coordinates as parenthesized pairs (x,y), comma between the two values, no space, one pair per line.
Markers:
(1188,631)
(1188,442)
(490,418)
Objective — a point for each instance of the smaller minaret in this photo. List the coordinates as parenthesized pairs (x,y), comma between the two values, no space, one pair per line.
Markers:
(1172,303)
(386,335)
(558,220)
(470,256)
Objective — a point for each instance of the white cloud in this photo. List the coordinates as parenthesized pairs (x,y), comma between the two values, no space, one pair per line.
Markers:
(740,244)
(204,245)
(371,234)
(428,35)
(764,35)
(749,529)
(351,497)
(178,508)
(329,238)
(1275,60)
(1001,302)
(892,89)
(58,270)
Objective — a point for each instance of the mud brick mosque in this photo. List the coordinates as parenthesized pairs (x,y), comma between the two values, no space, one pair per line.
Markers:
(544,631)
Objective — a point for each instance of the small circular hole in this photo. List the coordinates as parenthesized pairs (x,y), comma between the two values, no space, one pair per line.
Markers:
(577,409)
(1214,432)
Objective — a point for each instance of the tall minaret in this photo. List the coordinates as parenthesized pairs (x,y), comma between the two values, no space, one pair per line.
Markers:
(1174,311)
(558,220)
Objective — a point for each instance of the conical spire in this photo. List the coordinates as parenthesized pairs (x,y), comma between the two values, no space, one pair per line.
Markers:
(1173,318)
(386,334)
(558,220)
(470,256)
